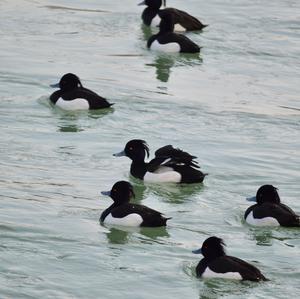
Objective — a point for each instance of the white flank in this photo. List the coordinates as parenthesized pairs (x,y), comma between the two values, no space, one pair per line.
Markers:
(163,169)
(228,275)
(169,48)
(76,104)
(155,21)
(179,28)
(163,177)
(267,221)
(129,220)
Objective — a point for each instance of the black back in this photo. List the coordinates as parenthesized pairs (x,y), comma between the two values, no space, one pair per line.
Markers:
(176,156)
(226,264)
(151,218)
(187,21)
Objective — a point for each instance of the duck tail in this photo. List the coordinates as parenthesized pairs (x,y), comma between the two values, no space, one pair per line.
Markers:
(166,219)
(263,278)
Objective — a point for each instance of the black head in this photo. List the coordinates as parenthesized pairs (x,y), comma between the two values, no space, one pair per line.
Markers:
(212,248)
(121,192)
(267,193)
(155,4)
(136,150)
(68,82)
(167,21)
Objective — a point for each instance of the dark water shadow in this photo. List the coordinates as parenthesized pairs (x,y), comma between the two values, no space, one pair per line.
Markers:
(70,121)
(147,31)
(164,63)
(265,236)
(122,234)
(262,236)
(176,193)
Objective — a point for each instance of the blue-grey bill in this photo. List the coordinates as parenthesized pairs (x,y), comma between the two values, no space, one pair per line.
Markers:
(107,193)
(142,3)
(253,198)
(54,85)
(120,154)
(197,251)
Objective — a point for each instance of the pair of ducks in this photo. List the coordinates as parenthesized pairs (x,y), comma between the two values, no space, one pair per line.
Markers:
(168,20)
(268,210)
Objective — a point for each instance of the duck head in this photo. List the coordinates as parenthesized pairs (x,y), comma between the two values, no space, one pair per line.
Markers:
(212,248)
(135,149)
(266,193)
(121,192)
(68,82)
(155,4)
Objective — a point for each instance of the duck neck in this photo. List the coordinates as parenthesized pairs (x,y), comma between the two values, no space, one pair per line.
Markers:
(166,27)
(107,211)
(201,267)
(138,169)
(149,14)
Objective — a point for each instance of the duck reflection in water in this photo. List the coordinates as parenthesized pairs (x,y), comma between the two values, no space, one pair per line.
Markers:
(263,237)
(122,235)
(163,65)
(70,121)
(165,62)
(176,194)
(148,31)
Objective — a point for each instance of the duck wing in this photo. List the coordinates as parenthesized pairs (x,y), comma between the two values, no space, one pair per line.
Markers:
(176,156)
(151,218)
(227,263)
(169,156)
(185,20)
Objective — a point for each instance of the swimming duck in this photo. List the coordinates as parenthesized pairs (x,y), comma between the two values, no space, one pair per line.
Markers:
(168,41)
(182,20)
(216,264)
(73,96)
(170,165)
(124,213)
(269,211)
